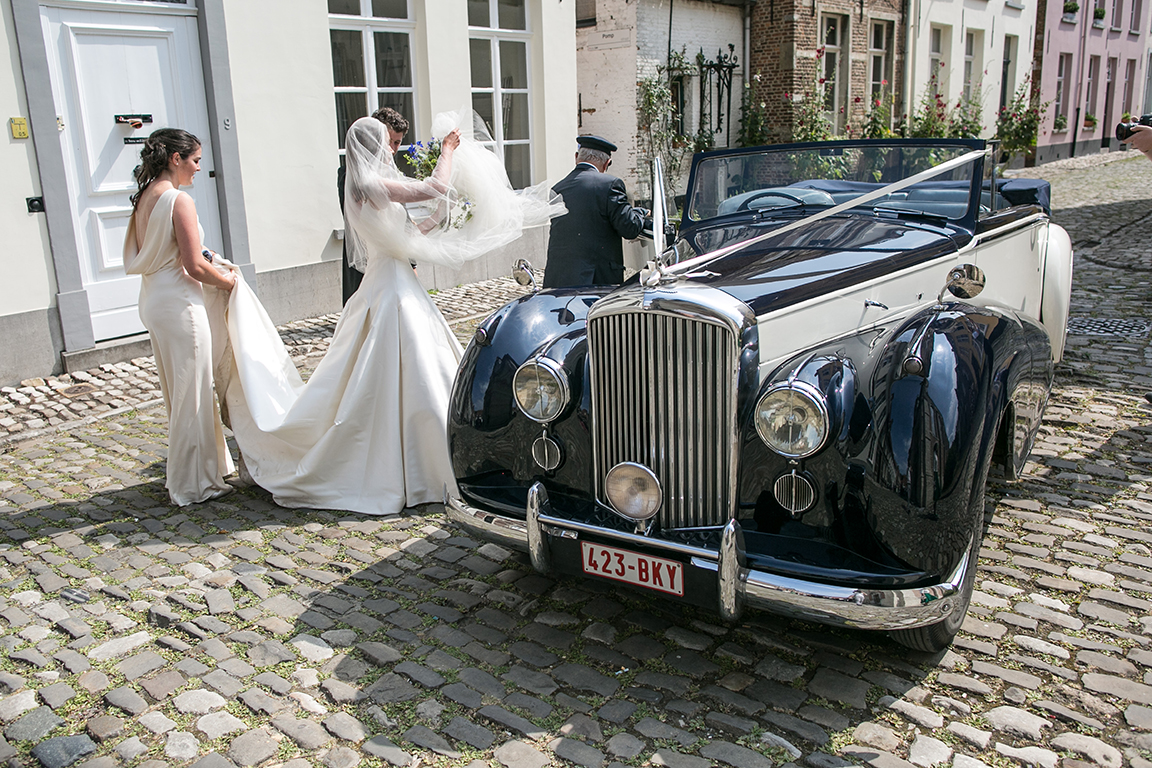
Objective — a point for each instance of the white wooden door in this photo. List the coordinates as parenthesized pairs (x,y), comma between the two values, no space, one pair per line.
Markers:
(129,63)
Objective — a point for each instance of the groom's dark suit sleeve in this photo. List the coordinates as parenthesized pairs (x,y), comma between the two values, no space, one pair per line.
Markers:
(350,277)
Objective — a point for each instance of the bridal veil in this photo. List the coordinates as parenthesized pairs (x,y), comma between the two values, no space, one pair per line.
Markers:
(447,221)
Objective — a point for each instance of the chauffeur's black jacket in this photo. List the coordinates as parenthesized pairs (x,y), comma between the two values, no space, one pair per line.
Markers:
(584,247)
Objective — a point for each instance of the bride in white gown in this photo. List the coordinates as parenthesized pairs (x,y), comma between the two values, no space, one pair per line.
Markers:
(367,433)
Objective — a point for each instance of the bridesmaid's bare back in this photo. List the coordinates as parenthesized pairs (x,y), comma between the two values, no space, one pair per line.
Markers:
(144,207)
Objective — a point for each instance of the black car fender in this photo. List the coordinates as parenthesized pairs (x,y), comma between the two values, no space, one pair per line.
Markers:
(937,401)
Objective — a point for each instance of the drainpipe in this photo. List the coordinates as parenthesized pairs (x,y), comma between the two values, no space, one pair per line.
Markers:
(1080,77)
(912,14)
(747,41)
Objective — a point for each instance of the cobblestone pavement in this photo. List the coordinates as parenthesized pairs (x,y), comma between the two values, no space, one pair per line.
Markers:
(237,633)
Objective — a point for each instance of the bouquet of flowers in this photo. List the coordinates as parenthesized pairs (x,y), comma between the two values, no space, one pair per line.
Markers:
(423,158)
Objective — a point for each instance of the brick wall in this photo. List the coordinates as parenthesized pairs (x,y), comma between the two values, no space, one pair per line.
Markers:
(785,38)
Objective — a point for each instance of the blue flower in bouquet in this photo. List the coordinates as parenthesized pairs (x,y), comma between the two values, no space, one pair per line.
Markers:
(423,156)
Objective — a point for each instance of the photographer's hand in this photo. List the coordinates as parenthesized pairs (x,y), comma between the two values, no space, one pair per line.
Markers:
(1141,139)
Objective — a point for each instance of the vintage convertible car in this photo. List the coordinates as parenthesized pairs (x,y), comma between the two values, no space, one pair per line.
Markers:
(796,407)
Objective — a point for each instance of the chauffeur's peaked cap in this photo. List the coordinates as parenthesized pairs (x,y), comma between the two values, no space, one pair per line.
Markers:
(596,142)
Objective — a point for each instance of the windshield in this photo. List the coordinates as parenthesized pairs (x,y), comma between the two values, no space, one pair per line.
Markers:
(823,176)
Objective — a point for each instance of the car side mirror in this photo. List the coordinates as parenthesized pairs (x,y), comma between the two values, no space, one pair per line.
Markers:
(965,281)
(522,273)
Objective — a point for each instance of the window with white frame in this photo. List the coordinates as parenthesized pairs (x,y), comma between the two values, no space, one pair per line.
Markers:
(498,32)
(1093,89)
(1008,68)
(834,29)
(1134,19)
(973,63)
(879,58)
(1117,13)
(937,41)
(1129,83)
(1063,73)
(371,59)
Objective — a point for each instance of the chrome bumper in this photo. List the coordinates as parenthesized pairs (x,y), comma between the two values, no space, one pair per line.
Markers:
(737,585)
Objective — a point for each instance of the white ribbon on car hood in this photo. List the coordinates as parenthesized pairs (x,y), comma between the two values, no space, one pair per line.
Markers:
(896,186)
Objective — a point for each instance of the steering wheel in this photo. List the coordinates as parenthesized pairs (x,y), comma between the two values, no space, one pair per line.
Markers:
(770,193)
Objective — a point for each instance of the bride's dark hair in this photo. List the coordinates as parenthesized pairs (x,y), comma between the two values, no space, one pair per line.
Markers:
(158,150)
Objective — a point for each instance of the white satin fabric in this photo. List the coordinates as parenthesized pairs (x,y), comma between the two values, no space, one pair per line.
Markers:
(367,433)
(172,308)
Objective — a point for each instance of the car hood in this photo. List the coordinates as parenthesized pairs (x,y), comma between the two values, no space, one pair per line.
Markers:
(829,255)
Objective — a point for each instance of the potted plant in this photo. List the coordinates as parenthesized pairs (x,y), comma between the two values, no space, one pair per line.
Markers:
(1099,13)
(1060,123)
(1089,120)
(1070,9)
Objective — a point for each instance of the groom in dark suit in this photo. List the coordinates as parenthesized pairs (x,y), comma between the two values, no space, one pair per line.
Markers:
(584,247)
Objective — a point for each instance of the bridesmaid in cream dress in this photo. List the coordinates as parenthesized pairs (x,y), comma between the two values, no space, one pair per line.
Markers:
(164,246)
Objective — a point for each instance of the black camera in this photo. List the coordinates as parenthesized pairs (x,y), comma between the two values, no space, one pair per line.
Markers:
(1124,130)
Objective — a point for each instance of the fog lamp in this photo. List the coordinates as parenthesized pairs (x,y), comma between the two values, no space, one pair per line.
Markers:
(633,491)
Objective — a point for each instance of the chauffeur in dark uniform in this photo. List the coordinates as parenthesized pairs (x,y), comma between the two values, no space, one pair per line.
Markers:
(584,247)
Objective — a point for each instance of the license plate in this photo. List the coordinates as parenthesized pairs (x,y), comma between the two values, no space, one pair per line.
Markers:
(633,568)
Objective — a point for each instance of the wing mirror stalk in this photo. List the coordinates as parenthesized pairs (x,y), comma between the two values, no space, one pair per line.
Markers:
(964,281)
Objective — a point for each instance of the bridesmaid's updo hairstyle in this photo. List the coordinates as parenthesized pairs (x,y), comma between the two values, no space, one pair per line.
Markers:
(158,150)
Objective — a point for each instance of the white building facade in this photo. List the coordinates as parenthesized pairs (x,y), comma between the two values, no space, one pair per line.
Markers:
(269,86)
(968,51)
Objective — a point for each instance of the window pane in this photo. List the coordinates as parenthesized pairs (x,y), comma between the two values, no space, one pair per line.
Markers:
(347,58)
(515,113)
(392,59)
(517,161)
(585,13)
(346,7)
(404,164)
(402,103)
(482,103)
(478,13)
(830,32)
(512,15)
(878,36)
(390,9)
(513,64)
(350,107)
(481,53)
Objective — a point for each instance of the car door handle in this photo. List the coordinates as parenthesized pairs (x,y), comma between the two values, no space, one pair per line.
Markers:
(870,303)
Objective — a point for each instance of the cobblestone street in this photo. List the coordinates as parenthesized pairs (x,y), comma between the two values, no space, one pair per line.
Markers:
(238,633)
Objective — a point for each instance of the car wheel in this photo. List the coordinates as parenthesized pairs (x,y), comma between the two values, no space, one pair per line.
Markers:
(938,636)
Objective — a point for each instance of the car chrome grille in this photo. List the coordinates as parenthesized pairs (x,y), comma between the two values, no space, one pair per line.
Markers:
(664,395)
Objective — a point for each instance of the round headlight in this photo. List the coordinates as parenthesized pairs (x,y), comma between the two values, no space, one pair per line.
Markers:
(792,419)
(633,490)
(541,389)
